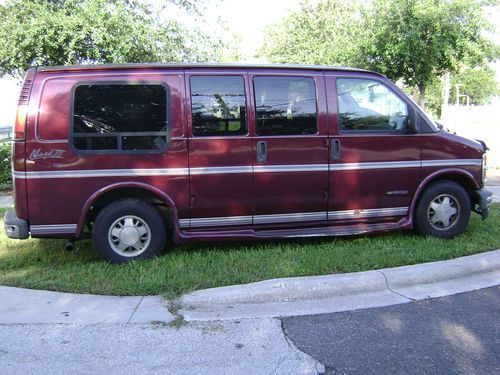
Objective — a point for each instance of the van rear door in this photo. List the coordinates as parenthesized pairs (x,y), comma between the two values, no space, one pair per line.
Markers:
(24,119)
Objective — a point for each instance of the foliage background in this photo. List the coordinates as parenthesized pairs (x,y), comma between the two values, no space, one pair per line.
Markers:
(412,42)
(67,32)
(5,174)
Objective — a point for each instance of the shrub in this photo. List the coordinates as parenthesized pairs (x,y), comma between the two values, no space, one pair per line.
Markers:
(5,166)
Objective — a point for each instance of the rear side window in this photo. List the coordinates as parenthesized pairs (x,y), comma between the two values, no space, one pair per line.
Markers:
(120,117)
(218,105)
(368,105)
(285,105)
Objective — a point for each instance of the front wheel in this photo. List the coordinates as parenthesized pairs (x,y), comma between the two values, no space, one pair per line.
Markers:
(128,229)
(443,210)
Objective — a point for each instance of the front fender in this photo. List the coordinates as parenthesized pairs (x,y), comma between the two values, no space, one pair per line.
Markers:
(442,173)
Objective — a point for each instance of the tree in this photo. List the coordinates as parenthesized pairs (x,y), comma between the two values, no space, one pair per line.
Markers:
(324,33)
(410,40)
(478,83)
(417,40)
(62,32)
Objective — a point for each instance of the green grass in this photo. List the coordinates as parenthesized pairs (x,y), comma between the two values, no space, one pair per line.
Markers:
(44,264)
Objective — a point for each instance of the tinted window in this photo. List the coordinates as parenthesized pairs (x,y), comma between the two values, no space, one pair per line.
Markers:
(369,105)
(120,117)
(285,105)
(218,105)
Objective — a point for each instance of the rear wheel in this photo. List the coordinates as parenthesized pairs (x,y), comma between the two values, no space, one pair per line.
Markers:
(128,229)
(443,210)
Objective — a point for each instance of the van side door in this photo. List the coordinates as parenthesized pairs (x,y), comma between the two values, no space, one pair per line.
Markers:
(220,149)
(374,154)
(290,153)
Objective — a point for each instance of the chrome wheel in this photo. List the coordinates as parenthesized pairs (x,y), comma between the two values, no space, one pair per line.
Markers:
(443,211)
(129,236)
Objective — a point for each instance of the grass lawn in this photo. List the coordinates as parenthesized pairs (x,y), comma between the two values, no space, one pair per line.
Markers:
(44,264)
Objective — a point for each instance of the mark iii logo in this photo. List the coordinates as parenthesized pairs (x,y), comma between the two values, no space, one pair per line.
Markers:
(38,154)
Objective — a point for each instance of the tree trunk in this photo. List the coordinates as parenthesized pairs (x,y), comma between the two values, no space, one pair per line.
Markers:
(446,96)
(421,96)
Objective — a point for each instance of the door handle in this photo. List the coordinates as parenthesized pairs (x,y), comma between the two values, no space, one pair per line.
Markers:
(261,152)
(336,149)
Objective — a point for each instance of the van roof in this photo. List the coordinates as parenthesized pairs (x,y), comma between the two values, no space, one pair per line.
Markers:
(196,65)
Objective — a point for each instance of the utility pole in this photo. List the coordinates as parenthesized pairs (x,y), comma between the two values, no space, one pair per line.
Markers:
(458,85)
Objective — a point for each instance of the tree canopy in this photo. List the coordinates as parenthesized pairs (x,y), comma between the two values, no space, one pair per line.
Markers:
(324,33)
(415,40)
(409,40)
(61,32)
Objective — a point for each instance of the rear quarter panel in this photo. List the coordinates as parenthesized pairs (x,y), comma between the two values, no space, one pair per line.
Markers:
(60,200)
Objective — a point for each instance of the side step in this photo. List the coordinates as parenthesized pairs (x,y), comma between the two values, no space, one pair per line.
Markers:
(333,231)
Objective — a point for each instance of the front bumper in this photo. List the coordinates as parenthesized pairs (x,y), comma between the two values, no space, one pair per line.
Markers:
(14,227)
(484,200)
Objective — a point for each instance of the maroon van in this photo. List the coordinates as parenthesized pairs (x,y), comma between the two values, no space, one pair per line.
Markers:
(129,154)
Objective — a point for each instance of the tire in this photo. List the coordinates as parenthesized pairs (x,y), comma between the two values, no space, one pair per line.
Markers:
(443,210)
(128,229)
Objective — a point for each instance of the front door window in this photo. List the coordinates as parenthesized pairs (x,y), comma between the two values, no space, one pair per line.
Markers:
(368,105)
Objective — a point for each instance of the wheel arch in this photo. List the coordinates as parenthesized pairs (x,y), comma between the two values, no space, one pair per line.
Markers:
(460,176)
(113,192)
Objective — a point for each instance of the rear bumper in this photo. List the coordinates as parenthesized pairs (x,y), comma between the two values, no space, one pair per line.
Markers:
(14,227)
(484,200)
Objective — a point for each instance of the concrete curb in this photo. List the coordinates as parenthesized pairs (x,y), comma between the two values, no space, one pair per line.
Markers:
(443,271)
(290,289)
(318,287)
(333,293)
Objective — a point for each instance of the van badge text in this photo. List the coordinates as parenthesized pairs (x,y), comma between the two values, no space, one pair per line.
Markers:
(38,154)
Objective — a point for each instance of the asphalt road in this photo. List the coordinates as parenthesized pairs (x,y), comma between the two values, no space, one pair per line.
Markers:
(457,334)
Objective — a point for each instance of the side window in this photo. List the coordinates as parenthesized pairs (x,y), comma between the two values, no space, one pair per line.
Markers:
(366,105)
(120,117)
(285,105)
(218,105)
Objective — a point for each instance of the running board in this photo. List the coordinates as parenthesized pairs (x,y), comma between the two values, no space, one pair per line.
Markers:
(333,231)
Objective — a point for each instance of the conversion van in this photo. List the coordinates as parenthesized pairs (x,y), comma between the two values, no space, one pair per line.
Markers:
(130,154)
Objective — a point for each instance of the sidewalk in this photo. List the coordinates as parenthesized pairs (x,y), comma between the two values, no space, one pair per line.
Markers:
(257,347)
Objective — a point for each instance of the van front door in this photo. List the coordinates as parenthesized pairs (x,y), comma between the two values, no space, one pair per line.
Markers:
(290,154)
(375,157)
